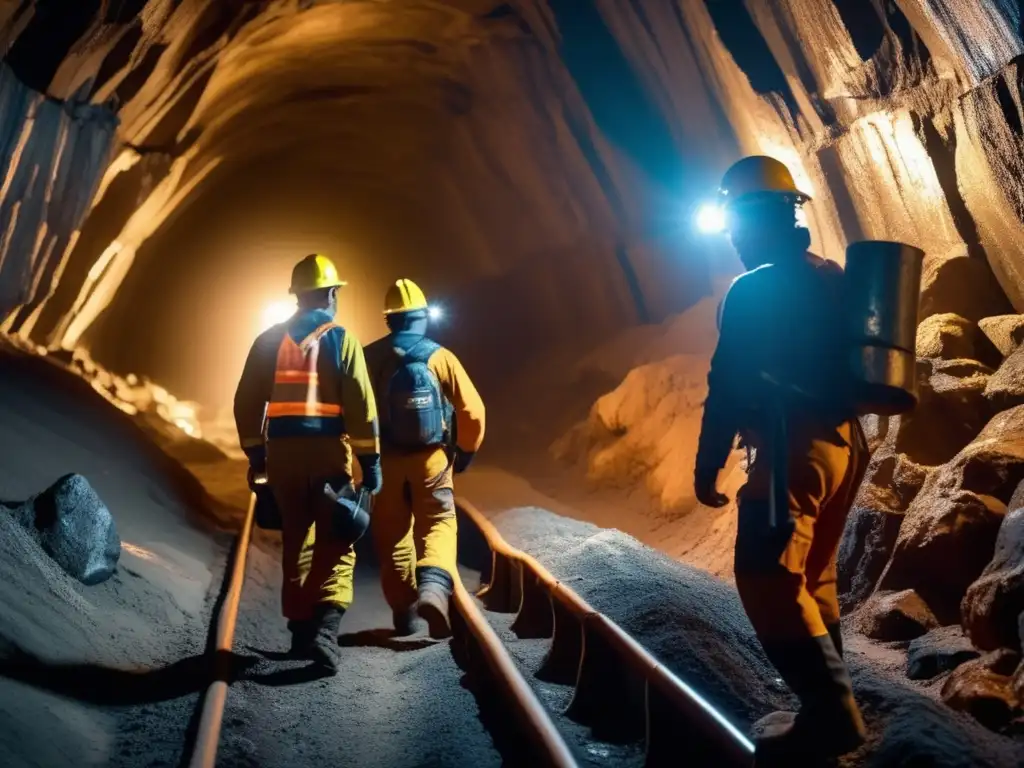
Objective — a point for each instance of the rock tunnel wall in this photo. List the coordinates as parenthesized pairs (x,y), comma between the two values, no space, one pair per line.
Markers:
(52,157)
(903,120)
(482,119)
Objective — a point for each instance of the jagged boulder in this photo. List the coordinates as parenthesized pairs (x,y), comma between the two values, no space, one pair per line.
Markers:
(941,650)
(75,528)
(893,480)
(896,616)
(993,607)
(1006,332)
(948,336)
(908,478)
(867,543)
(958,283)
(984,688)
(949,532)
(943,545)
(876,429)
(1005,388)
(952,409)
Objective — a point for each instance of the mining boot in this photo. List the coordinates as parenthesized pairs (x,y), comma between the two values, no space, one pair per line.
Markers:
(323,650)
(435,591)
(408,623)
(829,723)
(303,634)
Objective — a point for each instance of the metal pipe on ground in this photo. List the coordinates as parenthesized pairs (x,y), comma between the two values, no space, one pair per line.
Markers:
(204,754)
(680,709)
(535,720)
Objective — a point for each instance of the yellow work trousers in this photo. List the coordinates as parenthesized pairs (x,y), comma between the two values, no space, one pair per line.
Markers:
(317,566)
(413,523)
(786,575)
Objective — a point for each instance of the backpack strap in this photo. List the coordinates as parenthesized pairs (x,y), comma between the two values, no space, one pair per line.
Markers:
(313,339)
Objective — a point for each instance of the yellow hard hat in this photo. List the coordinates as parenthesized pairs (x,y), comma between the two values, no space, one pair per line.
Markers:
(314,273)
(404,296)
(758,175)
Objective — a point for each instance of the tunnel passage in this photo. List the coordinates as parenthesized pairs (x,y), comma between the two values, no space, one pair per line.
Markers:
(448,143)
(467,144)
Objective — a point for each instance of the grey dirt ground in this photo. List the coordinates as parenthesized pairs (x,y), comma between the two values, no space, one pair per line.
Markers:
(107,675)
(695,625)
(395,705)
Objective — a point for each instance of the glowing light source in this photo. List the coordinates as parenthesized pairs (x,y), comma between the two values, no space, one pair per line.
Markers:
(710,219)
(277,312)
(435,313)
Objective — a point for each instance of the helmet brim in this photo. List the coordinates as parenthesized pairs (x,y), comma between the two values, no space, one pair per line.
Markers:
(295,292)
(797,197)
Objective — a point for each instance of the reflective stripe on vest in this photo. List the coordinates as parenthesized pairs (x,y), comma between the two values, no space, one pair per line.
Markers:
(296,381)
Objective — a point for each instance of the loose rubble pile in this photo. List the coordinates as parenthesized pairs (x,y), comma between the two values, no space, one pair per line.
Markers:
(933,552)
(166,418)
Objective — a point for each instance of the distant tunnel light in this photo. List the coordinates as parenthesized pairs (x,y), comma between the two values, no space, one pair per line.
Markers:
(710,219)
(435,313)
(277,312)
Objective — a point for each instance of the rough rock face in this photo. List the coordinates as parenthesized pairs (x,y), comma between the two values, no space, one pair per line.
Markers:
(896,616)
(984,688)
(948,336)
(961,284)
(75,528)
(1005,388)
(994,604)
(951,411)
(902,119)
(949,532)
(1006,332)
(465,116)
(867,544)
(941,650)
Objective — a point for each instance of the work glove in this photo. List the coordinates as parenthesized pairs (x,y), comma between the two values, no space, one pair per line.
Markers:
(462,460)
(257,464)
(705,485)
(373,479)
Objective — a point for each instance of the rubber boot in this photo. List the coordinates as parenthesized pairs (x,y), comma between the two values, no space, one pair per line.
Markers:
(324,648)
(435,591)
(829,723)
(303,633)
(408,623)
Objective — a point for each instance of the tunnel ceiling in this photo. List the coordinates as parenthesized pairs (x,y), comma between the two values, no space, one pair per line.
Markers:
(454,125)
(532,160)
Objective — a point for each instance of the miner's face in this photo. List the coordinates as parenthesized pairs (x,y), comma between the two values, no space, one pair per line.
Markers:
(766,228)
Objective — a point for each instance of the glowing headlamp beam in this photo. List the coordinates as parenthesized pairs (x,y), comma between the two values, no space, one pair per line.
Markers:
(710,219)
(277,312)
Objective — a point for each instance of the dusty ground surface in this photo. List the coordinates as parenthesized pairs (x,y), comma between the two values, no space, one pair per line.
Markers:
(694,623)
(392,703)
(66,648)
(104,675)
(111,675)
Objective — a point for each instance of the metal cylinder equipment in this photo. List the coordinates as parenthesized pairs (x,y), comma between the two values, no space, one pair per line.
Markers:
(884,283)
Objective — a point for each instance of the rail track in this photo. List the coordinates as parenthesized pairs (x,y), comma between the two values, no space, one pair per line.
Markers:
(592,695)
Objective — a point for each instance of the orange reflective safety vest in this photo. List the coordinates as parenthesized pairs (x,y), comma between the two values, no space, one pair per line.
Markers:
(298,404)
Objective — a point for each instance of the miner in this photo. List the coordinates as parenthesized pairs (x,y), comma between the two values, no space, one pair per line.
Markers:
(779,379)
(303,406)
(432,424)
